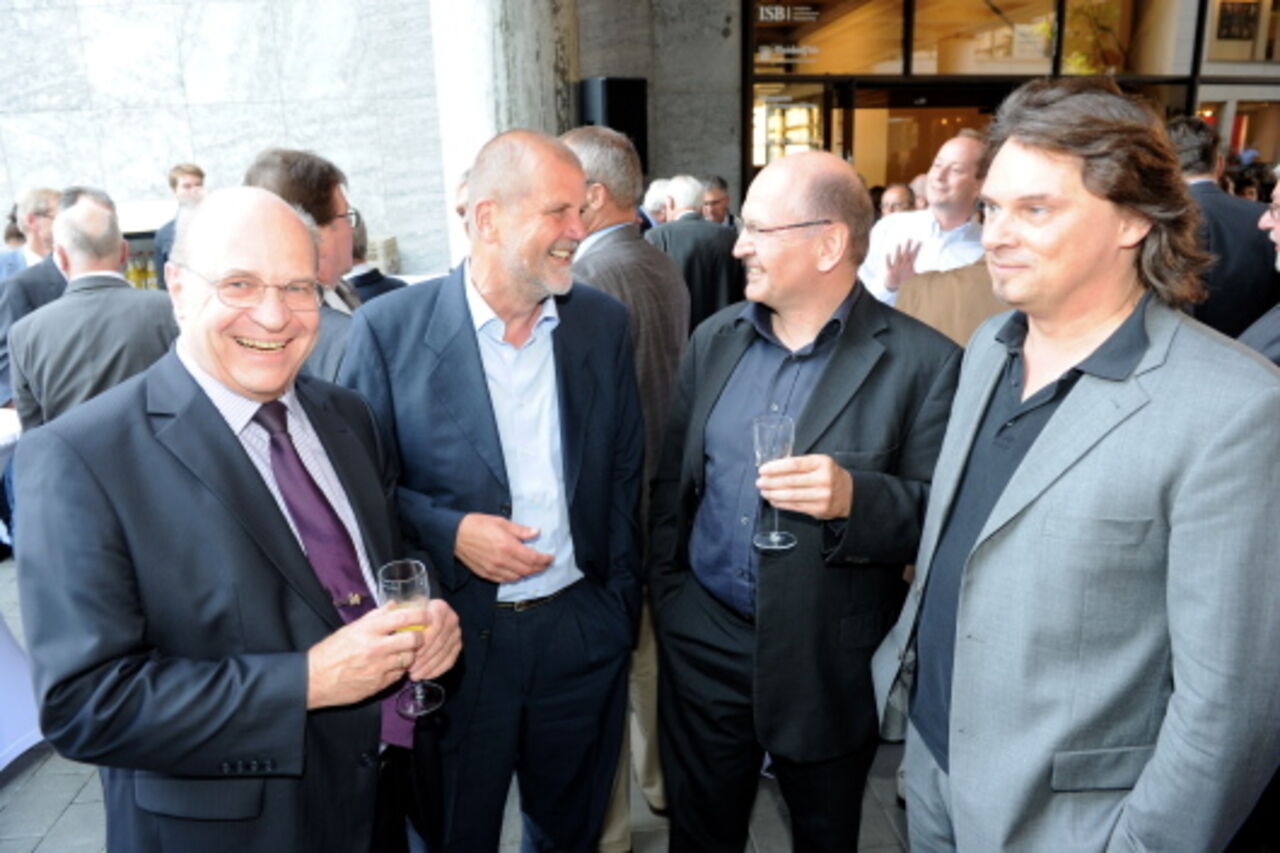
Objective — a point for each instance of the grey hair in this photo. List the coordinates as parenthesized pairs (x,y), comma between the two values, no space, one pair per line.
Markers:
(38,200)
(88,230)
(686,191)
(608,158)
(656,197)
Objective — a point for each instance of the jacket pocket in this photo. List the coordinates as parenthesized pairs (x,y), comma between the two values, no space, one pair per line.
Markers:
(199,799)
(1100,531)
(1099,769)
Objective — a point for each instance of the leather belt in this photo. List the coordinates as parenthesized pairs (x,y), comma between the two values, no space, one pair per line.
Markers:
(530,603)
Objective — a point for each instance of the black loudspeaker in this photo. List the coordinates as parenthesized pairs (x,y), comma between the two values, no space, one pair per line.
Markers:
(619,103)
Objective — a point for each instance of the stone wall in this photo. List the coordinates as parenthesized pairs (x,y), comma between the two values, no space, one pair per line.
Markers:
(113,93)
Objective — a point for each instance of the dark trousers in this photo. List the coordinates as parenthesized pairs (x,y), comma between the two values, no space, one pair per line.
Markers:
(711,758)
(549,706)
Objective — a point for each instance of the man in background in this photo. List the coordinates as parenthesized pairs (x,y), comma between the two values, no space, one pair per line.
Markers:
(186,182)
(703,250)
(1242,282)
(366,278)
(715,202)
(944,236)
(614,258)
(317,186)
(33,215)
(99,333)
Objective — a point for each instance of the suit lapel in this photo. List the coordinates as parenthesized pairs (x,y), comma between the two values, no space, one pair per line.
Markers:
(856,352)
(575,387)
(1092,410)
(456,379)
(724,352)
(350,461)
(188,424)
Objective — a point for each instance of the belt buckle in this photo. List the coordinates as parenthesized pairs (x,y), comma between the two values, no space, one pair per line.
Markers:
(525,604)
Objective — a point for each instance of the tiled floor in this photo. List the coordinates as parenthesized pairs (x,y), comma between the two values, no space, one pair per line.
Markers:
(51,805)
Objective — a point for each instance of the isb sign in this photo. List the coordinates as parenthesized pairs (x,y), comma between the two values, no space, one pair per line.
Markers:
(774,13)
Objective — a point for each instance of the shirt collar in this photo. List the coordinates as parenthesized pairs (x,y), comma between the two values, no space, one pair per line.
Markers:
(99,274)
(594,237)
(486,321)
(236,409)
(31,257)
(760,316)
(1114,359)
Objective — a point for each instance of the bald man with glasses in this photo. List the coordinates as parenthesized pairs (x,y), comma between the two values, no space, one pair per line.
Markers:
(770,650)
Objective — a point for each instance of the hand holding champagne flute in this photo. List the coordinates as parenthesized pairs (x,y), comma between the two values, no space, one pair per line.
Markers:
(407,582)
(773,436)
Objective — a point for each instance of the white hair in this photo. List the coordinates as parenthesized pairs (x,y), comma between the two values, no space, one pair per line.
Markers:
(656,197)
(686,191)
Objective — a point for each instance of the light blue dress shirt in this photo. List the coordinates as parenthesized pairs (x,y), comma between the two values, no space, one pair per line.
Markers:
(526,407)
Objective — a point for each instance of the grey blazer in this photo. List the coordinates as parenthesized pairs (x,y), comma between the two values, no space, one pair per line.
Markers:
(1116,681)
(101,332)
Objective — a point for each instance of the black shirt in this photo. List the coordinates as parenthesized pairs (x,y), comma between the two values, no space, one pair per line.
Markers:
(1008,429)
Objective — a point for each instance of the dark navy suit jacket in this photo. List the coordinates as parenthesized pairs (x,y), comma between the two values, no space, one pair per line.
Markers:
(414,355)
(169,609)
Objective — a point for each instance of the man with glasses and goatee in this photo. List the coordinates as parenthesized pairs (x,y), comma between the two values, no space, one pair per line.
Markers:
(196,566)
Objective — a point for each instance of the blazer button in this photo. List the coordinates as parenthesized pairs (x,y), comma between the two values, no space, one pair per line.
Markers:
(504,510)
(368,759)
(225,768)
(484,633)
(268,765)
(253,766)
(239,766)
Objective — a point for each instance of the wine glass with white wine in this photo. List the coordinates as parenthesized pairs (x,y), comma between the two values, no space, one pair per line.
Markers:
(773,436)
(402,582)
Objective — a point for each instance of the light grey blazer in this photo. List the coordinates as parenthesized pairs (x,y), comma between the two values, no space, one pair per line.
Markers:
(1117,655)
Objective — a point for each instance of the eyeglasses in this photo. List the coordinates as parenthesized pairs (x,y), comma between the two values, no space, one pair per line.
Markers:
(244,290)
(352,216)
(752,231)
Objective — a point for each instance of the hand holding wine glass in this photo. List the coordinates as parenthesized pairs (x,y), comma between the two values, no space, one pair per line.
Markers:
(407,582)
(773,436)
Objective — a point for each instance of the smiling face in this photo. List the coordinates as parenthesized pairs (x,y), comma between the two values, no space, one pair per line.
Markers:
(538,230)
(1054,248)
(255,352)
(953,177)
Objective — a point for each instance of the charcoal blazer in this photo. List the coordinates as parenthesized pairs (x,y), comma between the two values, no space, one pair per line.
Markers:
(372,283)
(169,609)
(879,410)
(1242,282)
(414,355)
(1116,683)
(23,293)
(101,332)
(704,252)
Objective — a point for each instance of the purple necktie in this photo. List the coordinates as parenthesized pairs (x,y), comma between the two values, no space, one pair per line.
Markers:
(327,543)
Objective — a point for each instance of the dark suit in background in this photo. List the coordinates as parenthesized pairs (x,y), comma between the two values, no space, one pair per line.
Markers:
(25,292)
(1264,335)
(178,662)
(649,284)
(162,247)
(414,355)
(101,332)
(1242,283)
(704,252)
(372,282)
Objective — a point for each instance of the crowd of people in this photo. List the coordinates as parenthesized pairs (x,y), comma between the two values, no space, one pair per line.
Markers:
(1021,516)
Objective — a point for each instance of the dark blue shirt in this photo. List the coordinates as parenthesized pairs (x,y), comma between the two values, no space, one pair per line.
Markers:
(1007,431)
(768,379)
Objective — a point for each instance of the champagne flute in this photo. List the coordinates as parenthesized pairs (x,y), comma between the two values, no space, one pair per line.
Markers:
(773,436)
(404,582)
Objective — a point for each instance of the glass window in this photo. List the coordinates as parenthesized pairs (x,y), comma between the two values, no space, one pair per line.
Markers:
(785,118)
(979,37)
(828,37)
(1128,36)
(893,141)
(1243,31)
